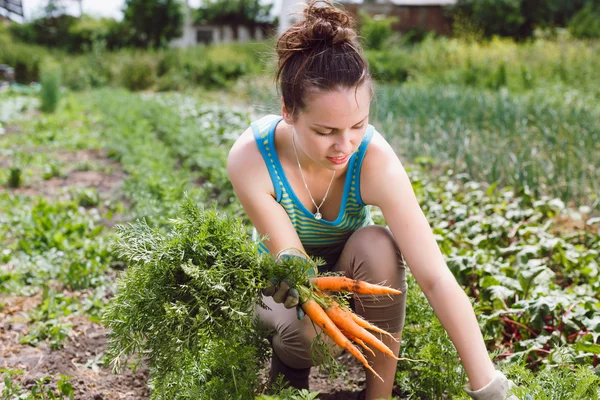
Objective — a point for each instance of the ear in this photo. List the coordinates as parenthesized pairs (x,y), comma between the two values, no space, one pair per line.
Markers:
(287,117)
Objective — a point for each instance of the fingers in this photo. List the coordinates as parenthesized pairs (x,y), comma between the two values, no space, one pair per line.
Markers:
(270,290)
(292,299)
(299,312)
(281,293)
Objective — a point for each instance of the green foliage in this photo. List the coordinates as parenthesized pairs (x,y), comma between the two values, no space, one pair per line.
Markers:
(515,18)
(586,23)
(15,177)
(153,23)
(51,80)
(503,17)
(54,241)
(138,73)
(521,140)
(376,31)
(393,66)
(186,301)
(534,288)
(235,12)
(40,389)
(86,31)
(290,394)
(554,383)
(423,338)
(53,31)
(24,59)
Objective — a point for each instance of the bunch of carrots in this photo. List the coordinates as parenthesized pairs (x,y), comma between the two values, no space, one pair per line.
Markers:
(340,323)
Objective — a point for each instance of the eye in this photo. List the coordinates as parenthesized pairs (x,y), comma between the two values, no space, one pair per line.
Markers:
(359,127)
(323,133)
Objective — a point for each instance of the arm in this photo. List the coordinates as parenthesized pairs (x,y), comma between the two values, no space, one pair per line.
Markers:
(384,183)
(252,184)
(253,187)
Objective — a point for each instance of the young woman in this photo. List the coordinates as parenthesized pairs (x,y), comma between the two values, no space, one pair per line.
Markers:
(306,180)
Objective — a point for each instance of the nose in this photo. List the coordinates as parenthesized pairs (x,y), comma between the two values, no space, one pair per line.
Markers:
(344,143)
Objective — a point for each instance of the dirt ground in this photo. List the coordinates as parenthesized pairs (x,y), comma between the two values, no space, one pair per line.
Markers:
(77,358)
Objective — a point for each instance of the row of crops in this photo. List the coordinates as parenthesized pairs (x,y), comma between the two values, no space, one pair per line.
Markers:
(529,262)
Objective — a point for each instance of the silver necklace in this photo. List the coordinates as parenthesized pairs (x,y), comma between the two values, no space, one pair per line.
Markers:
(317,215)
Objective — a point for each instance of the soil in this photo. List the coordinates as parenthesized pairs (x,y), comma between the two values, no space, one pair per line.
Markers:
(81,169)
(78,357)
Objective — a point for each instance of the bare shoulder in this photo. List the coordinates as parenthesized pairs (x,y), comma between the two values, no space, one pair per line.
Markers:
(245,165)
(381,167)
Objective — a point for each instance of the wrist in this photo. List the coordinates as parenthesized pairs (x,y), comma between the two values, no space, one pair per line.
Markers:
(292,252)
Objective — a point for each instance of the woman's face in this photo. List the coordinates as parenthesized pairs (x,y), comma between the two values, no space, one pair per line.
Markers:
(331,127)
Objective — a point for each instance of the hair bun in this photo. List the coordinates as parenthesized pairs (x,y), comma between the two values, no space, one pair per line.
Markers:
(327,23)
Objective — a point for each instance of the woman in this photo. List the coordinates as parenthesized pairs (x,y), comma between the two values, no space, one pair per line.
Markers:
(306,179)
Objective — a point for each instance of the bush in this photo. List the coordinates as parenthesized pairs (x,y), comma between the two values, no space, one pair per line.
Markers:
(516,18)
(389,66)
(51,78)
(375,31)
(586,23)
(173,80)
(24,59)
(139,73)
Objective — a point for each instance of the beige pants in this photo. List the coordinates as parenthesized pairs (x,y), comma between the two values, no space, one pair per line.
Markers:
(371,254)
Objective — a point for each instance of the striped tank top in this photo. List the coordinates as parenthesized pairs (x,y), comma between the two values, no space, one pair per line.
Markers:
(320,238)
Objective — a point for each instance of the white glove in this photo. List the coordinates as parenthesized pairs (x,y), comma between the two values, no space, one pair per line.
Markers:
(497,389)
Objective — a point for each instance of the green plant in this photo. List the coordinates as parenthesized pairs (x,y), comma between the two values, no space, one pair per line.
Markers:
(375,31)
(153,23)
(178,311)
(138,73)
(51,79)
(50,171)
(15,177)
(11,388)
(586,23)
(86,197)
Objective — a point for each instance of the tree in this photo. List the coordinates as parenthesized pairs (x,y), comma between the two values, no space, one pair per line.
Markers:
(237,13)
(517,18)
(153,23)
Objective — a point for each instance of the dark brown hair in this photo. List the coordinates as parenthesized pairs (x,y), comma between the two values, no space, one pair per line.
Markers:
(321,52)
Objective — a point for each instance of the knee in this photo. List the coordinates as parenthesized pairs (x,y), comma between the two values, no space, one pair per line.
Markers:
(375,240)
(293,344)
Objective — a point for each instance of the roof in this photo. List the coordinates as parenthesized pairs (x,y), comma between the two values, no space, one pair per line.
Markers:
(423,2)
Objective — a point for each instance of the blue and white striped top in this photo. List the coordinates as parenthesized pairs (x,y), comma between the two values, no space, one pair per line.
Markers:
(320,238)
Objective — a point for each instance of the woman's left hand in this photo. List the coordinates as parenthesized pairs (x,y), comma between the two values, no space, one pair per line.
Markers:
(498,389)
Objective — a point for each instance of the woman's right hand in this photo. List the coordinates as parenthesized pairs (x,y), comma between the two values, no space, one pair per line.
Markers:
(282,292)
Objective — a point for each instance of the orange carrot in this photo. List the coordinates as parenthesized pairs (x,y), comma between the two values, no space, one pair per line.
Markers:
(357,340)
(319,317)
(343,319)
(367,325)
(342,284)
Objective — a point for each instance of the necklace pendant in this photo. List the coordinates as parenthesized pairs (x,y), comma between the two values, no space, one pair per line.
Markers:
(318,216)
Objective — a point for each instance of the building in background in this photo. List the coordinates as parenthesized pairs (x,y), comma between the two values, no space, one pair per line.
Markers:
(287,14)
(11,10)
(195,34)
(424,15)
(419,15)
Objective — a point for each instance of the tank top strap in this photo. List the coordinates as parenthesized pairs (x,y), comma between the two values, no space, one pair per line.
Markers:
(360,156)
(264,130)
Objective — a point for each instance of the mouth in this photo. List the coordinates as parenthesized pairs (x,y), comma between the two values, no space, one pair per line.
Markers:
(339,160)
